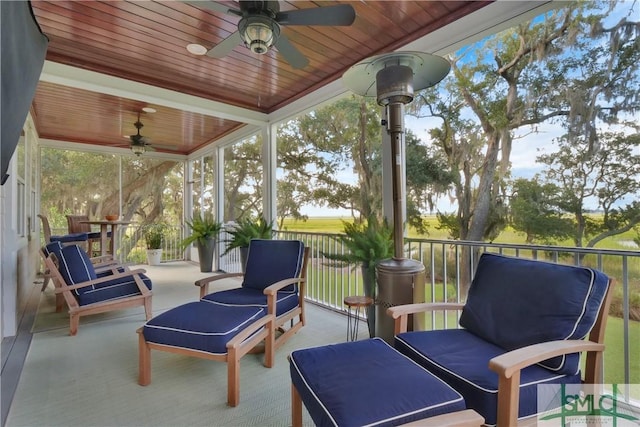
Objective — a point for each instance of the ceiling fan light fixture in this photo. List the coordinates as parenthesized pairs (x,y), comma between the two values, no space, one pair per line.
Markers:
(138,149)
(258,33)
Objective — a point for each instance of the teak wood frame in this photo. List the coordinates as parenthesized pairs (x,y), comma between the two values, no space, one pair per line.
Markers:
(272,292)
(260,330)
(509,365)
(76,310)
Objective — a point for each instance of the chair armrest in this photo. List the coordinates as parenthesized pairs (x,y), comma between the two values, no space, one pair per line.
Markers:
(99,268)
(401,312)
(99,280)
(103,259)
(271,291)
(280,284)
(204,283)
(237,341)
(509,365)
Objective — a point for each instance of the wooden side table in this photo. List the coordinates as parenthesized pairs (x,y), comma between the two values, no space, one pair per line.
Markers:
(354,304)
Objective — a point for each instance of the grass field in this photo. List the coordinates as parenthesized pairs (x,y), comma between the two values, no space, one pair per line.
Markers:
(509,235)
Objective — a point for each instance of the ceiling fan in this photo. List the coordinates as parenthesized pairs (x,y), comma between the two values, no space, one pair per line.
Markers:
(139,143)
(259,26)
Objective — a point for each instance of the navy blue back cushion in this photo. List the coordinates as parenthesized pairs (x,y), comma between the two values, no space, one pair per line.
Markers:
(515,302)
(52,248)
(269,261)
(76,267)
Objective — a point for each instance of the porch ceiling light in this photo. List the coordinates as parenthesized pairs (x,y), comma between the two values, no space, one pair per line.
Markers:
(258,33)
(137,149)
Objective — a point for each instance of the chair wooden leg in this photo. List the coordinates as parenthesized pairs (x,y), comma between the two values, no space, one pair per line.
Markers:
(233,378)
(296,407)
(269,344)
(46,275)
(508,399)
(59,302)
(144,360)
(74,322)
(147,308)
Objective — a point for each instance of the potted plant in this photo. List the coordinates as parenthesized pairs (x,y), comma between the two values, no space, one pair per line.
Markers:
(154,237)
(367,244)
(204,231)
(243,231)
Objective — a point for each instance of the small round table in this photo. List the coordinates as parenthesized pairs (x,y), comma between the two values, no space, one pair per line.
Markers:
(354,303)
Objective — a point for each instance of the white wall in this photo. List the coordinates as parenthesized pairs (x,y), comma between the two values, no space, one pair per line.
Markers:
(19,245)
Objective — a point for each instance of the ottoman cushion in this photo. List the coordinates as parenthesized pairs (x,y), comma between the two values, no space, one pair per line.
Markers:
(203,326)
(367,383)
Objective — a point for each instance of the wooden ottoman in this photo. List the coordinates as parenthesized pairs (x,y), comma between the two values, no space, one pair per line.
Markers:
(369,383)
(210,331)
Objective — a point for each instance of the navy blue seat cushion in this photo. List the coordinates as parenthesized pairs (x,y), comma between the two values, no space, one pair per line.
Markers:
(112,289)
(367,383)
(461,359)
(200,326)
(248,297)
(515,302)
(73,237)
(269,261)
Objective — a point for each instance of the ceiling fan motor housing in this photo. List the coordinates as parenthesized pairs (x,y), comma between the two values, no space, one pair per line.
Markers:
(258,27)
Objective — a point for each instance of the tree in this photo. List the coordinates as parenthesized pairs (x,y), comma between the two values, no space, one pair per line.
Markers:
(77,182)
(534,212)
(339,139)
(427,176)
(608,177)
(518,79)
(243,179)
(316,149)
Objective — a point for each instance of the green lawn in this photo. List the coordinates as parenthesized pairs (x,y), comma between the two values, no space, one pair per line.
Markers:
(614,358)
(509,235)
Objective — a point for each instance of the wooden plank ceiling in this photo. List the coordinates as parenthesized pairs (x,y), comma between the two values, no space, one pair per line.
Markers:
(145,42)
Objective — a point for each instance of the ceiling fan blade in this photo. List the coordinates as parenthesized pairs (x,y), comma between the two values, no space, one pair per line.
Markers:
(214,6)
(290,53)
(225,47)
(340,14)
(165,147)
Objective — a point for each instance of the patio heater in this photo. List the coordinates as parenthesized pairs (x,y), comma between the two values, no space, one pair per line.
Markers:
(392,78)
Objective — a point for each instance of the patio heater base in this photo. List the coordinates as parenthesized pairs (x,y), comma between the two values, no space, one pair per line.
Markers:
(400,281)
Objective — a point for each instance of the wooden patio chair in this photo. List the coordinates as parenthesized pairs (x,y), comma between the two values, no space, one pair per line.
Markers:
(86,292)
(64,239)
(76,224)
(274,278)
(523,320)
(104,265)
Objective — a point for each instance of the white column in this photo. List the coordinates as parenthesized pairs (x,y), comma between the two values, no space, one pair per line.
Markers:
(269,166)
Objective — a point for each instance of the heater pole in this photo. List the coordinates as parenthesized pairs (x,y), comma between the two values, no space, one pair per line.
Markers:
(395,117)
(394,76)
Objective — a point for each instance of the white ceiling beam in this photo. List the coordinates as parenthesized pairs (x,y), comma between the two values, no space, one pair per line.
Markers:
(66,75)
